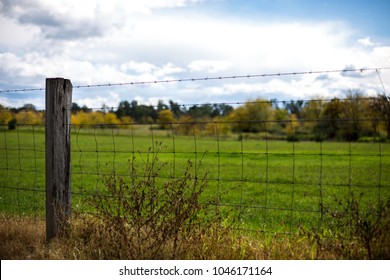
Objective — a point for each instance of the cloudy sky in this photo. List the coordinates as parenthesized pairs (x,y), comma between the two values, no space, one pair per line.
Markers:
(116,41)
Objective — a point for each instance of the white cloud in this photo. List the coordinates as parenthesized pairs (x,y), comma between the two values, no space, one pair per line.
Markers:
(380,56)
(96,102)
(122,41)
(209,66)
(366,42)
(138,67)
(13,35)
(168,69)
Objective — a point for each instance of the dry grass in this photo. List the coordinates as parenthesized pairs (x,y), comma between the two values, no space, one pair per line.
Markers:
(24,238)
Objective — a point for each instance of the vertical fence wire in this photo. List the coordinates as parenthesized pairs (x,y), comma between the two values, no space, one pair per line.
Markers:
(305,190)
(321,202)
(267,181)
(22,170)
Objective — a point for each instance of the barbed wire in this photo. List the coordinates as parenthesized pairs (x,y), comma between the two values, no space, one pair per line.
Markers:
(21,90)
(249,76)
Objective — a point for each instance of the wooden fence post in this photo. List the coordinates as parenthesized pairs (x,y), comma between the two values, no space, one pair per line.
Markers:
(58,169)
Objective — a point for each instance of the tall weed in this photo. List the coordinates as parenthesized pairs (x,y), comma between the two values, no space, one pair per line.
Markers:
(143,217)
(352,231)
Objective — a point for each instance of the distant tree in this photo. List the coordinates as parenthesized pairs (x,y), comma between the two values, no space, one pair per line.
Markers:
(28,107)
(254,116)
(312,112)
(111,119)
(124,109)
(330,120)
(105,108)
(145,114)
(175,108)
(221,110)
(281,118)
(381,109)
(12,124)
(161,106)
(204,110)
(294,107)
(275,103)
(30,117)
(187,125)
(83,118)
(217,128)
(292,127)
(5,115)
(354,112)
(165,119)
(209,110)
(75,108)
(126,121)
(85,109)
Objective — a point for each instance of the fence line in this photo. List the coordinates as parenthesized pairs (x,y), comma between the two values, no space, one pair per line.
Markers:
(22,169)
(274,185)
(237,164)
(110,153)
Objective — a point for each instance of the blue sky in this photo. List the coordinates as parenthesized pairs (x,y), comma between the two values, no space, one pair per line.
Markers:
(367,16)
(98,42)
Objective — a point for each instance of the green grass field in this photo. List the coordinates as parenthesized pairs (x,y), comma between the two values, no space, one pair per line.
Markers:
(269,185)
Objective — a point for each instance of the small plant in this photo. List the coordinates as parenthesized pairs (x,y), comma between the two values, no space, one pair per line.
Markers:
(12,124)
(353,231)
(144,217)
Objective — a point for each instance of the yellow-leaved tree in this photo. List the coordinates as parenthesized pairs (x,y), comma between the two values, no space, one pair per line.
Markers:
(165,119)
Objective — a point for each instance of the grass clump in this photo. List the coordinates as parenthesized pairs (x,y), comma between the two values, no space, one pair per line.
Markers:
(21,237)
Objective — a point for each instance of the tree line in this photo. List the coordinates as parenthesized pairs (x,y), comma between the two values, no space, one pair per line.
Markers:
(352,118)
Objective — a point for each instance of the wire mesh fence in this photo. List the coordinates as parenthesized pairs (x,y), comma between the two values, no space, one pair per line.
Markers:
(22,169)
(271,185)
(268,182)
(270,166)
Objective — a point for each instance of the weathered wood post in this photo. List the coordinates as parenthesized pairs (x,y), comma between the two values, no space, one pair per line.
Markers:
(58,169)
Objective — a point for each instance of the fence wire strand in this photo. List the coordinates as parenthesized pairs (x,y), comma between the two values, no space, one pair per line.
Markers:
(225,174)
(274,185)
(231,77)
(265,168)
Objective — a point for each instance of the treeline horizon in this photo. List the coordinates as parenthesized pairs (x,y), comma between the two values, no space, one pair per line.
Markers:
(352,118)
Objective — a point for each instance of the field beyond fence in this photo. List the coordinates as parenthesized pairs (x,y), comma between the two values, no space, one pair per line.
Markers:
(272,185)
(314,168)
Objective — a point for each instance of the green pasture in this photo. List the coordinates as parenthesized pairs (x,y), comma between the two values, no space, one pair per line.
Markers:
(267,185)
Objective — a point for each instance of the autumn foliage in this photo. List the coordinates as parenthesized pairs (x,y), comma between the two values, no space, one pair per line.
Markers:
(352,118)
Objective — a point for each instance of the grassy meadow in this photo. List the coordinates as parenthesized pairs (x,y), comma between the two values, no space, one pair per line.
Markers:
(275,186)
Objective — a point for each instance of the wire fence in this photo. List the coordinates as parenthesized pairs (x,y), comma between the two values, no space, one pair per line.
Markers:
(272,185)
(266,164)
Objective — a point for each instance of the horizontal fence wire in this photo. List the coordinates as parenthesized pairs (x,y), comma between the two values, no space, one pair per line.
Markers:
(231,77)
(274,174)
(273,185)
(22,170)
(271,182)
